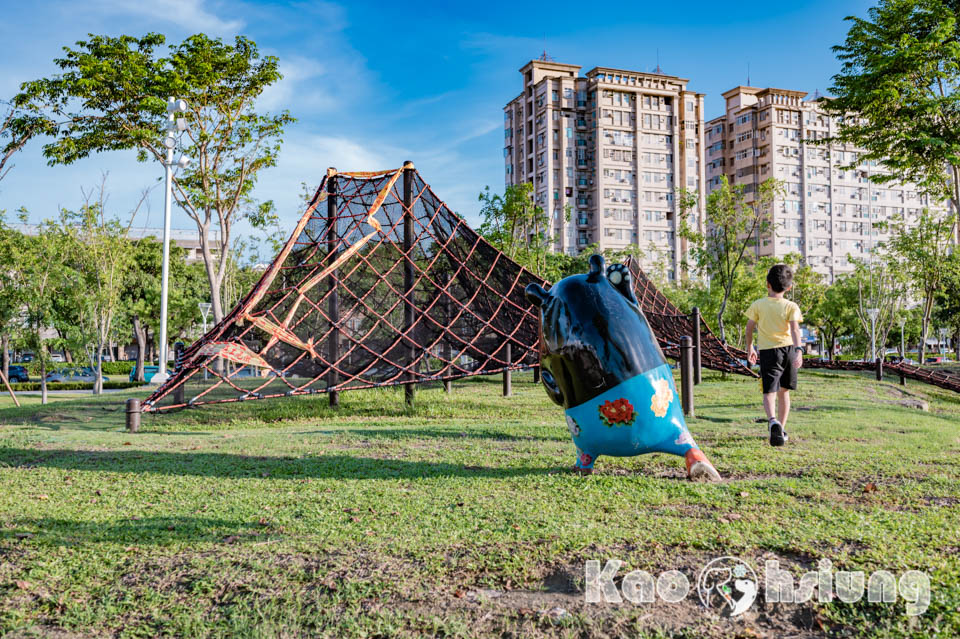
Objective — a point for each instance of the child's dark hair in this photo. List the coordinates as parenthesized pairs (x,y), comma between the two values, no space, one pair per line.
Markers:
(780,277)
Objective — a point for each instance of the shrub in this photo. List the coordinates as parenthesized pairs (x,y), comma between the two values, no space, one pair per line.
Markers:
(34,386)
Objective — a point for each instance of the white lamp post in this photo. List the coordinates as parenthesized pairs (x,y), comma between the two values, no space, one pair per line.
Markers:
(873,312)
(174,125)
(943,340)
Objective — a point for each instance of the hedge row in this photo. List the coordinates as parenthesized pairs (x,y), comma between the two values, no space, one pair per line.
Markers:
(109,368)
(34,386)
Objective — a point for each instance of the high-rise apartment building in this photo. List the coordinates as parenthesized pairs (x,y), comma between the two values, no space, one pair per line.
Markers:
(828,214)
(605,153)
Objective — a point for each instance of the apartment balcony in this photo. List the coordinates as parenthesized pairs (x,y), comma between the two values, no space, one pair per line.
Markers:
(581,124)
(583,220)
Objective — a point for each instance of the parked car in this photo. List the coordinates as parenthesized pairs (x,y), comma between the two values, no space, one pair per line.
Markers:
(74,374)
(19,374)
(148,372)
(27,358)
(56,357)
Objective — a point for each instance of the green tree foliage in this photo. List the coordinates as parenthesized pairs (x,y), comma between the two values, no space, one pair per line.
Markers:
(897,93)
(835,315)
(112,94)
(920,250)
(101,253)
(881,284)
(140,297)
(733,226)
(36,271)
(515,225)
(9,294)
(947,313)
(16,128)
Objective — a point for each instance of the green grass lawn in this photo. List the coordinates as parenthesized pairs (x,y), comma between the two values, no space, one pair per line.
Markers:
(461,518)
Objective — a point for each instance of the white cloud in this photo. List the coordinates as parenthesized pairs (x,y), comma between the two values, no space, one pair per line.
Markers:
(192,15)
(298,73)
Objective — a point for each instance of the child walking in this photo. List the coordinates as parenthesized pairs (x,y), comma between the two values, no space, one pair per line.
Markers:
(777,324)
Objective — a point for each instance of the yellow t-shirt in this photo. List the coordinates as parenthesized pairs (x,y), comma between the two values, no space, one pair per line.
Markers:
(773,316)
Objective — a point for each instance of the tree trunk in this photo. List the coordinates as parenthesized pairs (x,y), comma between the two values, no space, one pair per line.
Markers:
(140,335)
(5,347)
(43,376)
(98,383)
(214,279)
(720,326)
(924,327)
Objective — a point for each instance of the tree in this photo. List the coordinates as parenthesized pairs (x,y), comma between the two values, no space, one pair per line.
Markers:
(140,295)
(9,293)
(897,93)
(732,226)
(100,250)
(835,315)
(16,128)
(112,95)
(36,271)
(881,285)
(921,250)
(948,300)
(513,223)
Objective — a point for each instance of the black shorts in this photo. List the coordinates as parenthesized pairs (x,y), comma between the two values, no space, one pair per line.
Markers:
(777,370)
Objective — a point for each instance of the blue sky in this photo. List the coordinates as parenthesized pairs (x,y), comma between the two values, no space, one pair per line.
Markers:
(376,83)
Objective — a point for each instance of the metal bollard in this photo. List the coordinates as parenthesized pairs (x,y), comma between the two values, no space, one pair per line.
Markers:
(903,378)
(695,321)
(507,382)
(879,368)
(536,374)
(686,375)
(133,415)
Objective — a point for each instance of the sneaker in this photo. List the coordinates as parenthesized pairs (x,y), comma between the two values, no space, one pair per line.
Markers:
(777,435)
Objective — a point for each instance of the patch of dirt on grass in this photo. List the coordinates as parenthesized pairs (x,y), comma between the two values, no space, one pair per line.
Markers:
(47,632)
(942,501)
(550,599)
(53,418)
(559,600)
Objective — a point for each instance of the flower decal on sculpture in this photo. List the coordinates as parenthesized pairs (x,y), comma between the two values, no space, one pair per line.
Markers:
(662,397)
(573,426)
(585,460)
(617,413)
(685,439)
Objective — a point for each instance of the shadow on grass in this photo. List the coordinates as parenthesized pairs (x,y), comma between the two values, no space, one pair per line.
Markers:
(240,466)
(465,432)
(146,530)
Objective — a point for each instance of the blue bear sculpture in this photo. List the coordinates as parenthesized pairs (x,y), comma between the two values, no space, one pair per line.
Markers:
(602,363)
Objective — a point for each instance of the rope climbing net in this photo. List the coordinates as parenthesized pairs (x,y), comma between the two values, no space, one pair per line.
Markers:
(381,284)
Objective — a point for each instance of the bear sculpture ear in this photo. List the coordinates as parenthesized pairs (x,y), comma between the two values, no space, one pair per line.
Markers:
(619,275)
(596,268)
(535,294)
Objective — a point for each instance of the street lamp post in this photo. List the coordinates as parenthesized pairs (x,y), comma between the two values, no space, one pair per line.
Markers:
(174,125)
(943,340)
(873,312)
(205,312)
